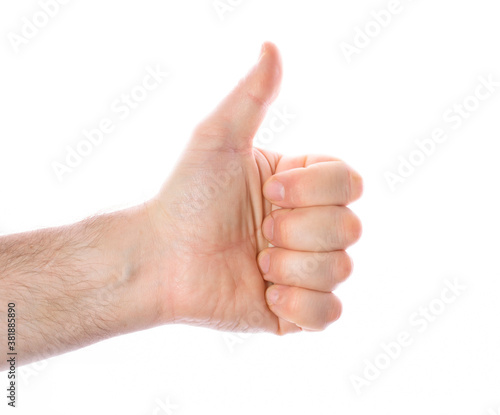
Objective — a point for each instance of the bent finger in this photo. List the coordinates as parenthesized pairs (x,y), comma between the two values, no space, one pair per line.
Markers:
(308,309)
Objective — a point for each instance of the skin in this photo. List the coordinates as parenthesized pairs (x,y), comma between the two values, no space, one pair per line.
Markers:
(238,239)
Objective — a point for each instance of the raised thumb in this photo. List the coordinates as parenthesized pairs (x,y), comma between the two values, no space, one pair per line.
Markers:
(237,118)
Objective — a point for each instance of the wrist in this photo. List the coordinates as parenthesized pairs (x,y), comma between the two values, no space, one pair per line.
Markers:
(145,237)
(131,283)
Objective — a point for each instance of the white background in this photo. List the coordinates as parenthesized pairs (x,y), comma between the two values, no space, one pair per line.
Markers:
(439,225)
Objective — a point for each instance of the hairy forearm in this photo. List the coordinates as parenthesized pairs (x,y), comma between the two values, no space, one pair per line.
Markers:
(77,284)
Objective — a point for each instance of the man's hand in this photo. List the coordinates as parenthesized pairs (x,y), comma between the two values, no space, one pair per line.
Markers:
(198,253)
(226,202)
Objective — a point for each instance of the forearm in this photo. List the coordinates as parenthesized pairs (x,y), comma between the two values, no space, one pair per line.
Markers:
(77,284)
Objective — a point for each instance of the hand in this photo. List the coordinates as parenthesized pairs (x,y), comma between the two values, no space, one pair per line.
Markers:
(213,221)
(199,252)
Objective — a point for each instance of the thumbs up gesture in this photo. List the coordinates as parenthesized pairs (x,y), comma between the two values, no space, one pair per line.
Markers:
(244,239)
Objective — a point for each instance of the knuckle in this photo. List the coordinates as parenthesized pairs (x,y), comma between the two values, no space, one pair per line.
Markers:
(343,267)
(331,273)
(352,228)
(356,229)
(345,182)
(355,185)
(334,311)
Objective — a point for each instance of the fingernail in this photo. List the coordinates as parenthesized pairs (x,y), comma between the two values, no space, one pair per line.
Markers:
(275,191)
(268,228)
(262,50)
(264,262)
(272,295)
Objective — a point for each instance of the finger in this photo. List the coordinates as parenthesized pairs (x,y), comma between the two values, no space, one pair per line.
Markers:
(294,162)
(308,309)
(313,229)
(320,271)
(286,327)
(320,184)
(237,118)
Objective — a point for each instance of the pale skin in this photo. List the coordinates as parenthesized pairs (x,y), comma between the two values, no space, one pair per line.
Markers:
(238,239)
